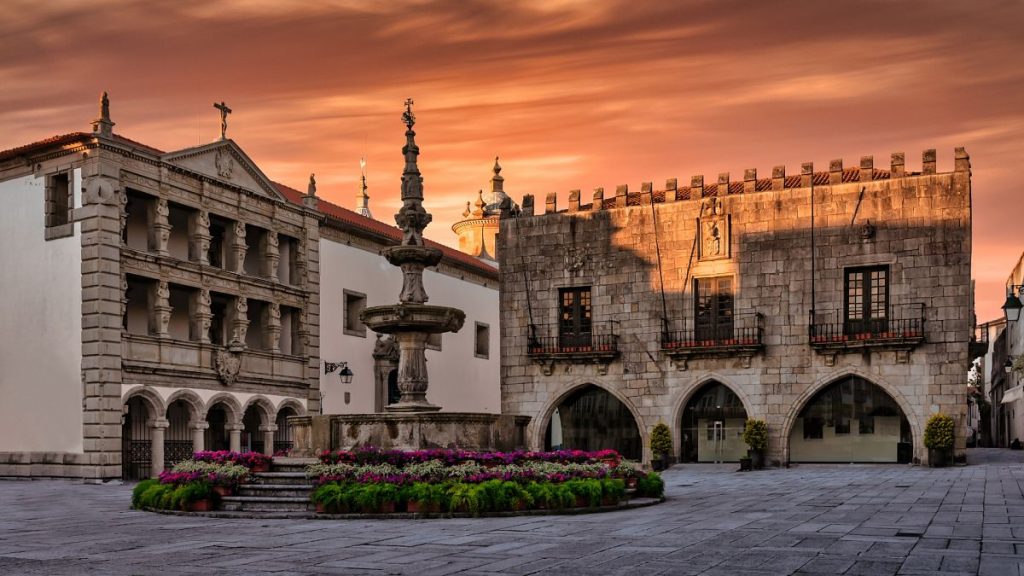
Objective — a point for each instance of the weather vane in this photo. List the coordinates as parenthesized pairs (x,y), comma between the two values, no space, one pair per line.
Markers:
(408,117)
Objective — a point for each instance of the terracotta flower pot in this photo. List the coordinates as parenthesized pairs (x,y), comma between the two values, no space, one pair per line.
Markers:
(202,505)
(631,483)
(261,467)
(224,490)
(417,507)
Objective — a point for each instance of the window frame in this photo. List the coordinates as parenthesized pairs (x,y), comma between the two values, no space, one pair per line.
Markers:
(722,326)
(56,224)
(867,319)
(582,311)
(486,354)
(359,332)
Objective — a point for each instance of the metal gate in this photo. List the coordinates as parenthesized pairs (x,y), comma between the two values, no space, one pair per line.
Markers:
(136,447)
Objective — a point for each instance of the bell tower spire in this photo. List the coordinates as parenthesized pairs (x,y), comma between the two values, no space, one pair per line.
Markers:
(363,199)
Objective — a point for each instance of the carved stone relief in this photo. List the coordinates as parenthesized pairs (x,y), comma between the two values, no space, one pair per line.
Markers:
(227,364)
(714,236)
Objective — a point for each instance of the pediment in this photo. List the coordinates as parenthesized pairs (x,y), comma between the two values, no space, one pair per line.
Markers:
(225,161)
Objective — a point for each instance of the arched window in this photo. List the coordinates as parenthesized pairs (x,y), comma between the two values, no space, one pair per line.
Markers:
(712,426)
(591,418)
(851,420)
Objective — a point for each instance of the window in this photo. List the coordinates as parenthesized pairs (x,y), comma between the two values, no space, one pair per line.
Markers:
(713,300)
(574,324)
(867,300)
(482,347)
(59,203)
(355,302)
(433,342)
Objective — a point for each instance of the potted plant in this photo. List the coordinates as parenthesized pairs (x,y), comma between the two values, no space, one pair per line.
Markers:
(755,434)
(661,445)
(195,497)
(422,497)
(938,439)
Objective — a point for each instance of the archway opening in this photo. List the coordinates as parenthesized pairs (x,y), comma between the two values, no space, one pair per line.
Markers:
(591,418)
(712,425)
(851,420)
(394,394)
(283,435)
(252,438)
(136,447)
(178,439)
(217,435)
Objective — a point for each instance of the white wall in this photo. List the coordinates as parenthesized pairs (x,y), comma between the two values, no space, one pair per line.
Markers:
(41,339)
(459,381)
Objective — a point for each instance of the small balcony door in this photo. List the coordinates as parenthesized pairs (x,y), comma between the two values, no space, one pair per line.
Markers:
(714,308)
(575,324)
(867,300)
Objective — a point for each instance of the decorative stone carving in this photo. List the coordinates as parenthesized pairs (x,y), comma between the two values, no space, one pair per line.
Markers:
(273,254)
(161,226)
(240,326)
(122,201)
(385,349)
(202,237)
(239,248)
(713,226)
(162,310)
(203,316)
(576,259)
(274,326)
(227,364)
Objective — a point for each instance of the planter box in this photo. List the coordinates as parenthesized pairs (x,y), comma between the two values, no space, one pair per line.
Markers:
(940,457)
(203,505)
(224,490)
(416,507)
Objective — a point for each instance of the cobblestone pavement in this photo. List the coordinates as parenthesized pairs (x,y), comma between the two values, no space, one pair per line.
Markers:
(822,519)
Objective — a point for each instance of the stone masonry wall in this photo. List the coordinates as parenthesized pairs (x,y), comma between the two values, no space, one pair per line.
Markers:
(919,224)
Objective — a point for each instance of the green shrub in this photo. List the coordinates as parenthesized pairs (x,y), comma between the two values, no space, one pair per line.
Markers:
(661,440)
(370,497)
(650,485)
(564,495)
(613,489)
(140,488)
(463,498)
(755,434)
(588,491)
(156,496)
(938,432)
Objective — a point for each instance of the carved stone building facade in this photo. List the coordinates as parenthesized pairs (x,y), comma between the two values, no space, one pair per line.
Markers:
(705,305)
(478,229)
(157,303)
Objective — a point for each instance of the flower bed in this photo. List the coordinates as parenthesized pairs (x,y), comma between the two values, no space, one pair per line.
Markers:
(250,460)
(197,484)
(368,480)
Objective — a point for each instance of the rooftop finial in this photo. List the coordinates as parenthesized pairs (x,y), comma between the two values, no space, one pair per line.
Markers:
(497,184)
(363,199)
(408,117)
(103,125)
(224,111)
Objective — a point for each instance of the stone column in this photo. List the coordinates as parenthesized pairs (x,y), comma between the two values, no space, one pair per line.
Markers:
(412,373)
(201,237)
(238,247)
(274,327)
(235,434)
(156,436)
(162,310)
(268,438)
(273,254)
(203,317)
(199,435)
(122,202)
(161,227)
(240,323)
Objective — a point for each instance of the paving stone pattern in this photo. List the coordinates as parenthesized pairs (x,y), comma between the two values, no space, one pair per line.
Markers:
(821,519)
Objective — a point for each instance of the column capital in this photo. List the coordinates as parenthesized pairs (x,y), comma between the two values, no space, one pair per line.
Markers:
(159,423)
(268,427)
(234,426)
(199,425)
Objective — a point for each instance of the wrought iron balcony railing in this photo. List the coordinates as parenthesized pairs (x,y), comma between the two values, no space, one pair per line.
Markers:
(546,345)
(903,327)
(739,335)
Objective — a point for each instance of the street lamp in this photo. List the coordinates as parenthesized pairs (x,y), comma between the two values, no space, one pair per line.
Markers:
(345,372)
(1013,304)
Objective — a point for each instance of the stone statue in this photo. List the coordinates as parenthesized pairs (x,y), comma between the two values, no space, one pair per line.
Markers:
(224,111)
(272,240)
(242,306)
(311,188)
(204,220)
(105,106)
(275,312)
(162,209)
(240,231)
(204,298)
(163,293)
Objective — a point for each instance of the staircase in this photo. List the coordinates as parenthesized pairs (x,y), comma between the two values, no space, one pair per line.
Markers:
(284,490)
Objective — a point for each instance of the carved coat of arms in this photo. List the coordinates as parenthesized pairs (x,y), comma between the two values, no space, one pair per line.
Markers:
(227,364)
(713,231)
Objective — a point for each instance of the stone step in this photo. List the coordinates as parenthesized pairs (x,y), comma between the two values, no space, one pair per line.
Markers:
(266,504)
(276,490)
(284,464)
(279,478)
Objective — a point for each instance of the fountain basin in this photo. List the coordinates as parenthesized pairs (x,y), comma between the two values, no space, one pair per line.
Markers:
(424,255)
(410,317)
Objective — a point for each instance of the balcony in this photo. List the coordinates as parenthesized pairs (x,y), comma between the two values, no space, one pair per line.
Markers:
(546,346)
(742,338)
(902,331)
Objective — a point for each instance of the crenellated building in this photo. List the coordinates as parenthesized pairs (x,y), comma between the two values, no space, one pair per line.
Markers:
(834,305)
(156,303)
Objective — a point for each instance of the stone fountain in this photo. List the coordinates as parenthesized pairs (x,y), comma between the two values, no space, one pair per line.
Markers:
(412,423)
(412,320)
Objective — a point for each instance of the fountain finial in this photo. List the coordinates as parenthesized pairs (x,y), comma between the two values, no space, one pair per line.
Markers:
(412,218)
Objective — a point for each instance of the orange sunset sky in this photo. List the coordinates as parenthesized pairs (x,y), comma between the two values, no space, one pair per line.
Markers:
(569,94)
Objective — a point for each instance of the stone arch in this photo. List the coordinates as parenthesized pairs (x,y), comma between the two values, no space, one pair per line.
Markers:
(690,392)
(197,409)
(154,403)
(292,403)
(837,375)
(232,406)
(264,406)
(540,425)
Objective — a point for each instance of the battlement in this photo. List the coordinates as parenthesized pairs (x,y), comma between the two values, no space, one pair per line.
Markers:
(864,171)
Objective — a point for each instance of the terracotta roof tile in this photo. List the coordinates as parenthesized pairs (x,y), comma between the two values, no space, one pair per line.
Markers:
(393,233)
